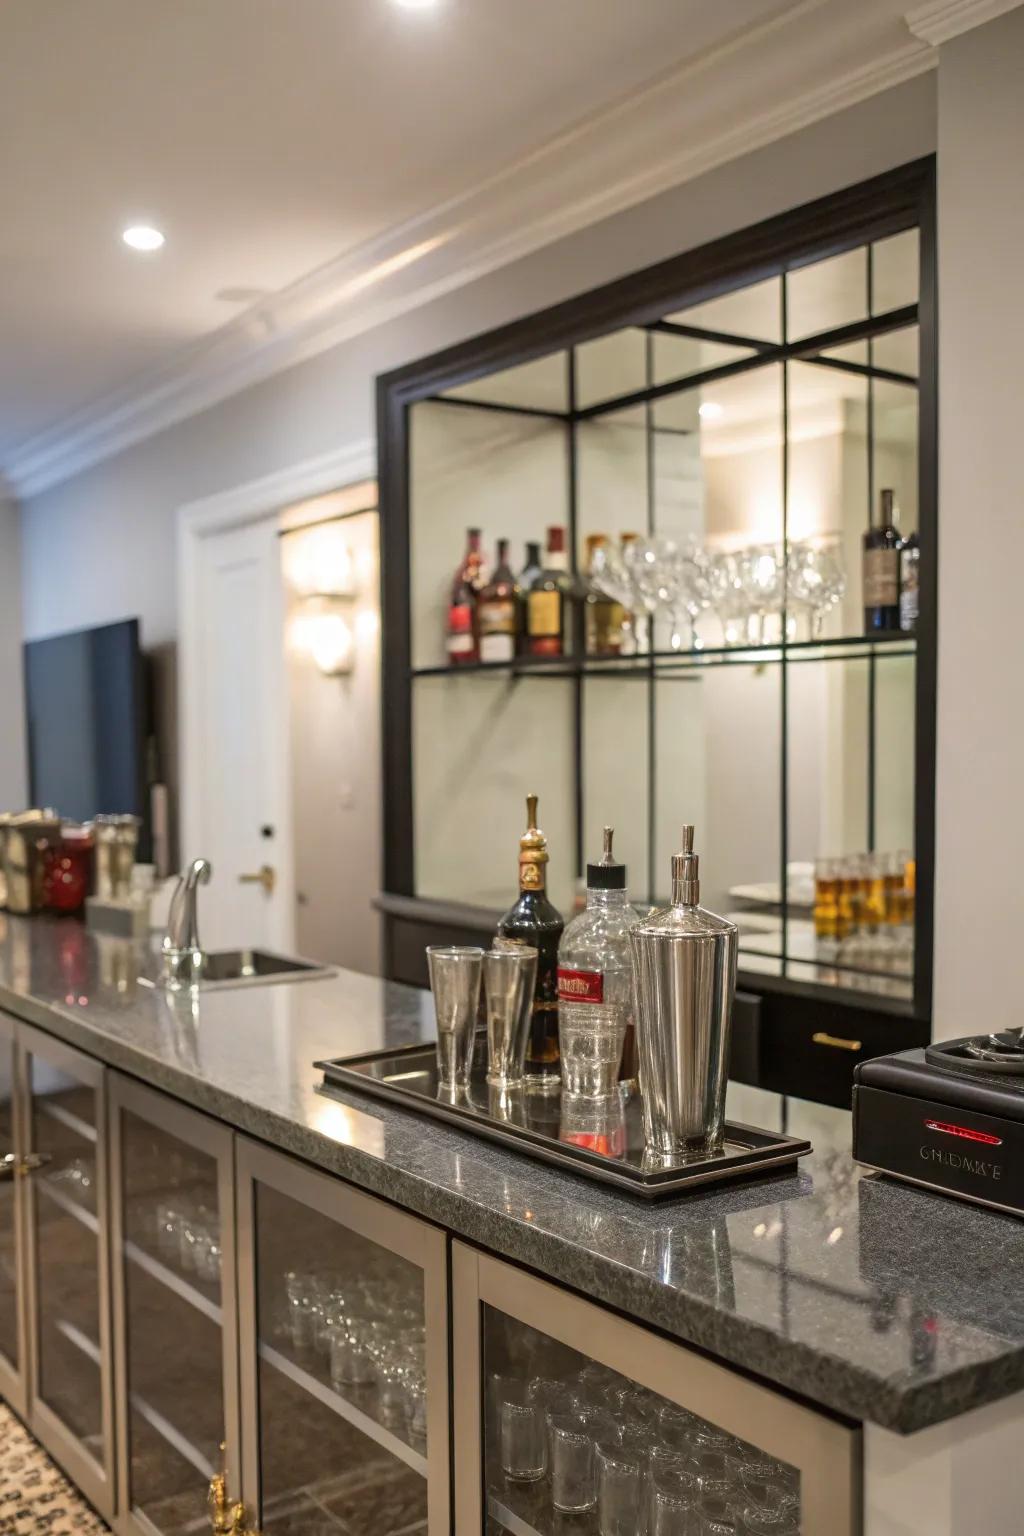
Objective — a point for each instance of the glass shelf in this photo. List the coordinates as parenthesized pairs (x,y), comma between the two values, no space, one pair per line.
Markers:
(841,648)
(349,1411)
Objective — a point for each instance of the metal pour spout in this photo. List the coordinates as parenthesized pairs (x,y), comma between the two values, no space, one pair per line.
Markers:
(686,873)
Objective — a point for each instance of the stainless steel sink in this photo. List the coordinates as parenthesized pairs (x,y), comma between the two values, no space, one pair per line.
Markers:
(223,968)
(238,967)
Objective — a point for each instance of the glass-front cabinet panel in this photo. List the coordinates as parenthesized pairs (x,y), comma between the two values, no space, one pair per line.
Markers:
(12,1355)
(572,1420)
(174,1294)
(65,1164)
(344,1357)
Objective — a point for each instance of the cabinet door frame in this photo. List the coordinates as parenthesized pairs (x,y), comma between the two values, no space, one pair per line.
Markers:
(827,1453)
(95,1479)
(14,1374)
(398,1231)
(206,1135)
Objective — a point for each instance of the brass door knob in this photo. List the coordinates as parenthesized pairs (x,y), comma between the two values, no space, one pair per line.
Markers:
(265,876)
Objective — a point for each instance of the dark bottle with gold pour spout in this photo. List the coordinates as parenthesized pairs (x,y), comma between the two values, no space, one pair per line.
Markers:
(536,921)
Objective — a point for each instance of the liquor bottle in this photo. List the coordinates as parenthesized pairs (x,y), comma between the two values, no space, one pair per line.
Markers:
(910,583)
(604,620)
(882,569)
(536,921)
(595,982)
(527,576)
(547,611)
(497,611)
(461,641)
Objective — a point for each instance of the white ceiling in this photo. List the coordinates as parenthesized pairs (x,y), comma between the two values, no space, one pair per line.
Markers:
(269,137)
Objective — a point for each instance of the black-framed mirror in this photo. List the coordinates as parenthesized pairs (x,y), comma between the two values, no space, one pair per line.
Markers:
(722,427)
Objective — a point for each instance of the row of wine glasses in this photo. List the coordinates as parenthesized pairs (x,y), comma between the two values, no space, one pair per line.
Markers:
(752,591)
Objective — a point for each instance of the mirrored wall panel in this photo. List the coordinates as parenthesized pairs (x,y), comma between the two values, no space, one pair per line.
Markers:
(672,573)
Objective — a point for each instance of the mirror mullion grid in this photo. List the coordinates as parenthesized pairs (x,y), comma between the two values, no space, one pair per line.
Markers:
(762,353)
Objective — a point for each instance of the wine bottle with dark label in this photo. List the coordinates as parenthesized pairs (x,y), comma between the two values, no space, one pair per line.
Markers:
(534,920)
(882,569)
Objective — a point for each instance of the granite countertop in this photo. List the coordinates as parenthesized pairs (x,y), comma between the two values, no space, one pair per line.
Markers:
(875,1300)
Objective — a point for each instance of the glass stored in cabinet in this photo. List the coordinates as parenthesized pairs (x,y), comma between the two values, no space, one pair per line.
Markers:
(571,1419)
(343,1339)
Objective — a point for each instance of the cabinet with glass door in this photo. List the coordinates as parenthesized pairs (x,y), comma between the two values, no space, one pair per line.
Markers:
(571,1419)
(344,1357)
(63,1162)
(172,1238)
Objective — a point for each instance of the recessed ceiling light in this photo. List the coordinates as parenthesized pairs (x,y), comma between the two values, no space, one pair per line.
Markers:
(415,5)
(710,410)
(143,237)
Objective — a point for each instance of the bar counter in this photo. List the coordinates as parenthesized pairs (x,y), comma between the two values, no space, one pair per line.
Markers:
(875,1301)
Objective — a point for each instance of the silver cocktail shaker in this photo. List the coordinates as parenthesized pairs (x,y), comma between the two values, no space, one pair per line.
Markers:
(684,966)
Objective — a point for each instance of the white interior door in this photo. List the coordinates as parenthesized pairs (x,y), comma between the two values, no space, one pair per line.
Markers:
(237,747)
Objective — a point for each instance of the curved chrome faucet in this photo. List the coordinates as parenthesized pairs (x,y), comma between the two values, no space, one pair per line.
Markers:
(183,957)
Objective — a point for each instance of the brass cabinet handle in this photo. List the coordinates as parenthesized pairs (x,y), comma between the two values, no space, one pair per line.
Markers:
(266,876)
(227,1518)
(11,1165)
(835,1041)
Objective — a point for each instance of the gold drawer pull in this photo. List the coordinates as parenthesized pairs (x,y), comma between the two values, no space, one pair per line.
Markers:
(835,1041)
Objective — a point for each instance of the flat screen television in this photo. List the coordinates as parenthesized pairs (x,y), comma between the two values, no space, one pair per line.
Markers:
(86,724)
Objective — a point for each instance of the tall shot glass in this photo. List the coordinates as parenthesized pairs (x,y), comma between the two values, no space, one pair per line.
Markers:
(455,982)
(510,975)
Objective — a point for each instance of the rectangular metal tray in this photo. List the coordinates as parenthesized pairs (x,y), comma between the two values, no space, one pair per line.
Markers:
(596,1139)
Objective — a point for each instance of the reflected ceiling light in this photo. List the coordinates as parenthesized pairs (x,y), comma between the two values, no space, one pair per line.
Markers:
(710,410)
(142,237)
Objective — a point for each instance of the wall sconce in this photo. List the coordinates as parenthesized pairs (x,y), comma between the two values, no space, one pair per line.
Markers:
(318,562)
(322,629)
(327,572)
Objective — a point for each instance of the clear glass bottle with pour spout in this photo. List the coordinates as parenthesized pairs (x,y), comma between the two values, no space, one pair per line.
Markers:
(684,964)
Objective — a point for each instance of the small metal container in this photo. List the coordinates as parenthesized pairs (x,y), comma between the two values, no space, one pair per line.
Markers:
(32,840)
(684,962)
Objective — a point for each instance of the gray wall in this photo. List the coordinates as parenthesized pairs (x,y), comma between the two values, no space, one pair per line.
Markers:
(980,826)
(13,767)
(114,525)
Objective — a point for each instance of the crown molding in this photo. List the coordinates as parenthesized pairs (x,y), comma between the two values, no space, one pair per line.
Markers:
(807,61)
(940,20)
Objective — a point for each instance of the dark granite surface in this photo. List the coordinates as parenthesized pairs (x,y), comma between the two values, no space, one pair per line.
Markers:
(873,1299)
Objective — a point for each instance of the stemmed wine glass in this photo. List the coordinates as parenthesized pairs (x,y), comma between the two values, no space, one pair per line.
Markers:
(817,580)
(762,576)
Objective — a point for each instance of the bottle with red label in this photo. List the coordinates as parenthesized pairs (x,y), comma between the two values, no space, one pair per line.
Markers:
(595,985)
(462,640)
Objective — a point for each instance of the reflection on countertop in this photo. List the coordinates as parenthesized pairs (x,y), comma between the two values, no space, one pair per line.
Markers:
(873,1299)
